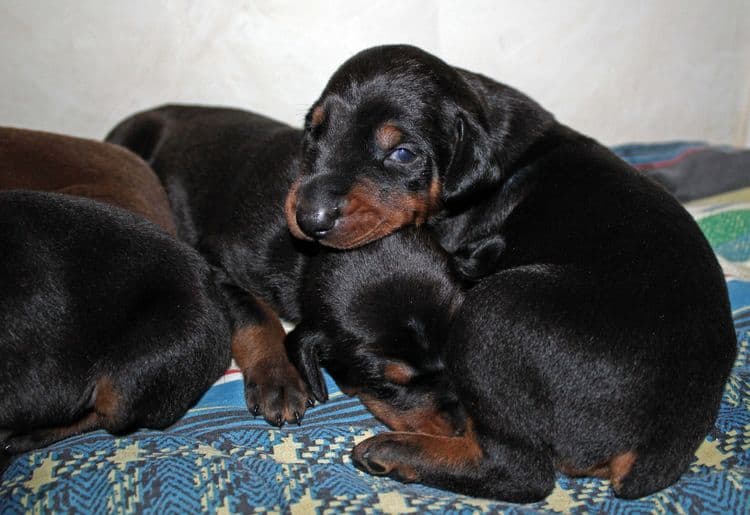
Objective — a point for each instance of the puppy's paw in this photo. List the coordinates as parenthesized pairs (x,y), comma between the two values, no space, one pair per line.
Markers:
(278,393)
(387,454)
(479,258)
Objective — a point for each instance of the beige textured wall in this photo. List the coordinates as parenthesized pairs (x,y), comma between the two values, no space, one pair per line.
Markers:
(620,70)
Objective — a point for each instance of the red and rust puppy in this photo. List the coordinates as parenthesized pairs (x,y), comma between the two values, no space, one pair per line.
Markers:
(106,322)
(226,173)
(597,335)
(377,319)
(43,161)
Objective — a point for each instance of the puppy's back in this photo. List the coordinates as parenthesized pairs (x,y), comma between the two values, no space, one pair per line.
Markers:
(90,291)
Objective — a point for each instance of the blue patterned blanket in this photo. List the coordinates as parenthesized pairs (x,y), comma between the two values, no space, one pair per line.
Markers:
(217,458)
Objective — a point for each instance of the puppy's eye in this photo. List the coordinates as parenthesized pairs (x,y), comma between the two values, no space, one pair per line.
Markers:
(402,155)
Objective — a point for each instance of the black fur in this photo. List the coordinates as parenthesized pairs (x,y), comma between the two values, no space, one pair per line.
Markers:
(388,303)
(597,327)
(226,173)
(106,322)
(599,323)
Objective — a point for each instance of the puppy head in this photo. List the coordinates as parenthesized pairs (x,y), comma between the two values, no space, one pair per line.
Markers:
(407,393)
(395,135)
(407,400)
(390,360)
(405,396)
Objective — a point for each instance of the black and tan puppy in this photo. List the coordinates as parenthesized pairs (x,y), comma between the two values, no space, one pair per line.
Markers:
(106,322)
(227,173)
(570,349)
(597,337)
(377,318)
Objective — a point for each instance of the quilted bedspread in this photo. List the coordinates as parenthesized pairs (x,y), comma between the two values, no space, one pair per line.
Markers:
(217,458)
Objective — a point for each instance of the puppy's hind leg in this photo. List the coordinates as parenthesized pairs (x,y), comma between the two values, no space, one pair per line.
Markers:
(510,472)
(653,468)
(105,413)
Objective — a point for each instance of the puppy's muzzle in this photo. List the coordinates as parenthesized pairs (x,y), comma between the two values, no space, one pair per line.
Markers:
(319,205)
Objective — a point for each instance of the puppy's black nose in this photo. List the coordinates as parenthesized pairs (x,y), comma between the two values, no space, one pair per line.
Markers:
(318,221)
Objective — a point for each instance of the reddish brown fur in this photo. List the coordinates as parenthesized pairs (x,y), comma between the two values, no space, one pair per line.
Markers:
(106,399)
(368,217)
(425,419)
(317,117)
(398,373)
(401,452)
(105,413)
(614,469)
(43,161)
(290,211)
(452,451)
(620,467)
(257,347)
(260,353)
(388,136)
(91,421)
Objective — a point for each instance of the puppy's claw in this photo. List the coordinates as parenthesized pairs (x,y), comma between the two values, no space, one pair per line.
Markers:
(298,418)
(310,403)
(276,392)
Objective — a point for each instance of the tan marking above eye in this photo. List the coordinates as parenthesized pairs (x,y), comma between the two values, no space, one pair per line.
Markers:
(317,117)
(388,136)
(398,372)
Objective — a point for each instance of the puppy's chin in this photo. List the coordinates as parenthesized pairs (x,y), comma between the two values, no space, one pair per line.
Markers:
(355,231)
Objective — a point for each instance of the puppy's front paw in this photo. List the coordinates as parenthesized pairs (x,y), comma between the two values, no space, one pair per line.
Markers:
(278,393)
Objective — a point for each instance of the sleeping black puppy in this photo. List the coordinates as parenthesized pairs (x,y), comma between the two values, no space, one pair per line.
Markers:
(377,318)
(597,337)
(226,173)
(106,322)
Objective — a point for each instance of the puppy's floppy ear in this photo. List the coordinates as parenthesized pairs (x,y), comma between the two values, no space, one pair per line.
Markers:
(495,124)
(472,166)
(304,348)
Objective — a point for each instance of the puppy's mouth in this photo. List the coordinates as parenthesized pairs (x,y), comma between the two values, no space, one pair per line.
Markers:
(343,239)
(367,214)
